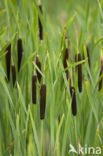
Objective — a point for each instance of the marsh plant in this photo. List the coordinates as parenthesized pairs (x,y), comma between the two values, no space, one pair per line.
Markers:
(51,73)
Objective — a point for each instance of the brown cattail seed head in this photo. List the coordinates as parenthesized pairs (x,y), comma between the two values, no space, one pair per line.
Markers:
(20,52)
(34,79)
(79,74)
(42,101)
(101,72)
(40,24)
(65,61)
(8,61)
(13,74)
(74,105)
(39,66)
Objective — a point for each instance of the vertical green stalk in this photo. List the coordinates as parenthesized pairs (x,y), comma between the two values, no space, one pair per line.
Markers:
(75,130)
(42,137)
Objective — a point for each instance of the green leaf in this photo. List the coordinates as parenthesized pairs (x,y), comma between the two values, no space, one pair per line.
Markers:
(21,98)
(27,60)
(35,133)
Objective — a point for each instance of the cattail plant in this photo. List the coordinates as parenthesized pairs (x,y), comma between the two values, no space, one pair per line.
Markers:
(13,74)
(34,79)
(8,61)
(79,74)
(101,72)
(38,63)
(20,52)
(40,24)
(65,61)
(74,105)
(42,101)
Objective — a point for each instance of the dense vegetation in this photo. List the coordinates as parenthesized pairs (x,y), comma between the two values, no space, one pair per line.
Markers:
(52,56)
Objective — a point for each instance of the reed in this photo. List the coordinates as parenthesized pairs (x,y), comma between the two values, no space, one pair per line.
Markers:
(42,101)
(8,61)
(34,80)
(20,52)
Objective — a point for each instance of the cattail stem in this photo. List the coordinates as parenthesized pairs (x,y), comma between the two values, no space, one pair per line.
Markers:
(79,74)
(40,24)
(20,52)
(8,61)
(42,138)
(65,61)
(39,66)
(34,78)
(42,101)
(13,74)
(74,105)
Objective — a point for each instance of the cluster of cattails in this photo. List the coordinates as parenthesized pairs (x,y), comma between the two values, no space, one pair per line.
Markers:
(8,61)
(42,90)
(38,75)
(40,24)
(42,96)
(72,89)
